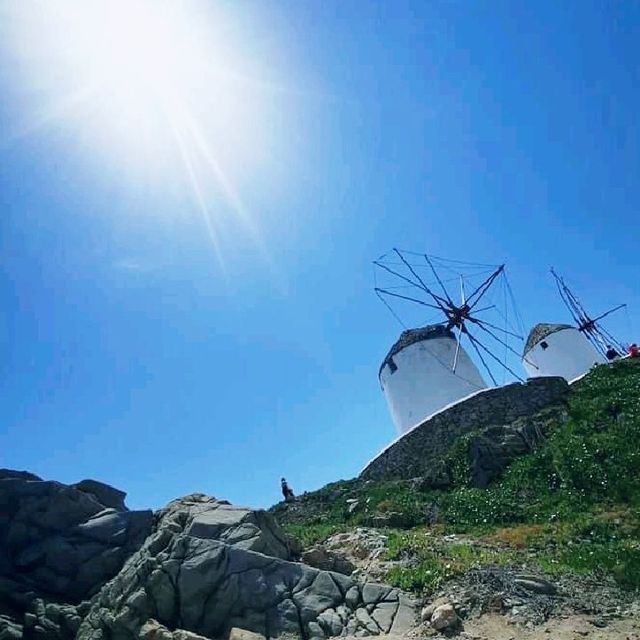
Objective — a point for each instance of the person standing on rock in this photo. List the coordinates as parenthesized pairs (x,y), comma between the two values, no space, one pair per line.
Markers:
(287,492)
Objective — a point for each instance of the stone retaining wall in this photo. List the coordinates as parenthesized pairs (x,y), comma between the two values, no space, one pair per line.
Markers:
(413,454)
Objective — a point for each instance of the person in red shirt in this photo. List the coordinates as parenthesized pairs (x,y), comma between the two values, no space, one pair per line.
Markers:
(634,352)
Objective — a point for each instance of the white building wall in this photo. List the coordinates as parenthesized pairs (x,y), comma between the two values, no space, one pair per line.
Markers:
(568,354)
(424,383)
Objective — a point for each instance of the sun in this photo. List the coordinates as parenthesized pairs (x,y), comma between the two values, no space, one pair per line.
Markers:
(131,65)
(147,83)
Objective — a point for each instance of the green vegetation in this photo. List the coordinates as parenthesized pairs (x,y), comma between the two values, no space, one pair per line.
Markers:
(433,563)
(312,534)
(575,500)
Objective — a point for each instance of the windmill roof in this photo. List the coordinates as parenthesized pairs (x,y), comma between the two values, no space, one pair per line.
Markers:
(540,332)
(411,336)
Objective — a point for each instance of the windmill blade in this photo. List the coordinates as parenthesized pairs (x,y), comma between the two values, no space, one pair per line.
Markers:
(393,313)
(604,315)
(497,328)
(457,353)
(502,364)
(480,323)
(482,289)
(596,335)
(398,295)
(576,313)
(486,366)
(395,273)
(435,273)
(491,306)
(437,298)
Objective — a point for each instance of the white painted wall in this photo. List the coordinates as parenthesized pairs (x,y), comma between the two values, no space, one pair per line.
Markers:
(423,383)
(569,355)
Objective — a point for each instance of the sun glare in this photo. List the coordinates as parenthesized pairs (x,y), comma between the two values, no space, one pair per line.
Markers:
(150,82)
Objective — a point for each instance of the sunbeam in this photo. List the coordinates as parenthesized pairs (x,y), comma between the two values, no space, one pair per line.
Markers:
(155,84)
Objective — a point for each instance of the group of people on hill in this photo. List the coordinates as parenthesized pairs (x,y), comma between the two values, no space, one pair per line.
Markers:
(633,351)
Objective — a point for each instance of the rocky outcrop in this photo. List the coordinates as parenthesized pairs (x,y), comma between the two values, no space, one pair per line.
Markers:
(494,448)
(61,542)
(108,496)
(322,558)
(58,541)
(210,567)
(414,454)
(59,545)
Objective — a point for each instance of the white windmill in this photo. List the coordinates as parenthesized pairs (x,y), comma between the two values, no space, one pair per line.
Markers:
(568,350)
(427,368)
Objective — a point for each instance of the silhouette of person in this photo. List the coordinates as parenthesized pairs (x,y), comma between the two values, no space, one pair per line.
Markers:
(611,354)
(287,492)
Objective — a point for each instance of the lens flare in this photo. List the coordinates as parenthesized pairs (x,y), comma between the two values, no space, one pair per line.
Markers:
(153,84)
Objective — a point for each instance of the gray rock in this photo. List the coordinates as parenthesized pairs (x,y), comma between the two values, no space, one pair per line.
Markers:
(103,493)
(243,634)
(444,617)
(435,477)
(243,528)
(495,447)
(60,541)
(208,583)
(322,558)
(427,610)
(535,584)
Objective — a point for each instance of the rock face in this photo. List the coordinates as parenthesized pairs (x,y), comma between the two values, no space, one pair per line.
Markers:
(59,543)
(322,558)
(59,540)
(416,453)
(210,568)
(494,448)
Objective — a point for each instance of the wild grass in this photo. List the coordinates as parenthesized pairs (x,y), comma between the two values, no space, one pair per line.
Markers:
(575,500)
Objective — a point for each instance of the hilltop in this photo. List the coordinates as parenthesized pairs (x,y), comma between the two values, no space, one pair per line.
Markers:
(534,523)
(567,509)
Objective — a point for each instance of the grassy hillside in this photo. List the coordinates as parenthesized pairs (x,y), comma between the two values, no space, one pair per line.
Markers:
(574,503)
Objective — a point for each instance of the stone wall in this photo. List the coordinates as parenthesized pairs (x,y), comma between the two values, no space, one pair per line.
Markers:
(413,454)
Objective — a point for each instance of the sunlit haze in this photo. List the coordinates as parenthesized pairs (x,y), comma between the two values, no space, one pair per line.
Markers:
(192,193)
(163,87)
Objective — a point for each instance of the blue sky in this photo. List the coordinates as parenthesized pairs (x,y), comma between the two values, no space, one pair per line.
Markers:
(133,353)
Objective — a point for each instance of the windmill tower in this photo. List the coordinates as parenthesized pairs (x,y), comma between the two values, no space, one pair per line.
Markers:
(418,378)
(567,350)
(428,368)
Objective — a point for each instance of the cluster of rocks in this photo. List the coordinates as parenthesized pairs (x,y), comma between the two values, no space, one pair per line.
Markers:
(210,567)
(526,599)
(360,553)
(59,544)
(76,563)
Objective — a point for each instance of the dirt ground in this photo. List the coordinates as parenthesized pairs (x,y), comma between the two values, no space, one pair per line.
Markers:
(573,627)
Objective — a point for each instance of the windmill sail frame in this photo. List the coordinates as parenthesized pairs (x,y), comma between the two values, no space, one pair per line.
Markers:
(592,329)
(462,316)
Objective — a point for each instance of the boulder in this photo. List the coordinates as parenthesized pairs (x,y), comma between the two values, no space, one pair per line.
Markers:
(435,477)
(103,493)
(444,617)
(427,610)
(494,448)
(59,541)
(201,572)
(243,634)
(536,584)
(321,558)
